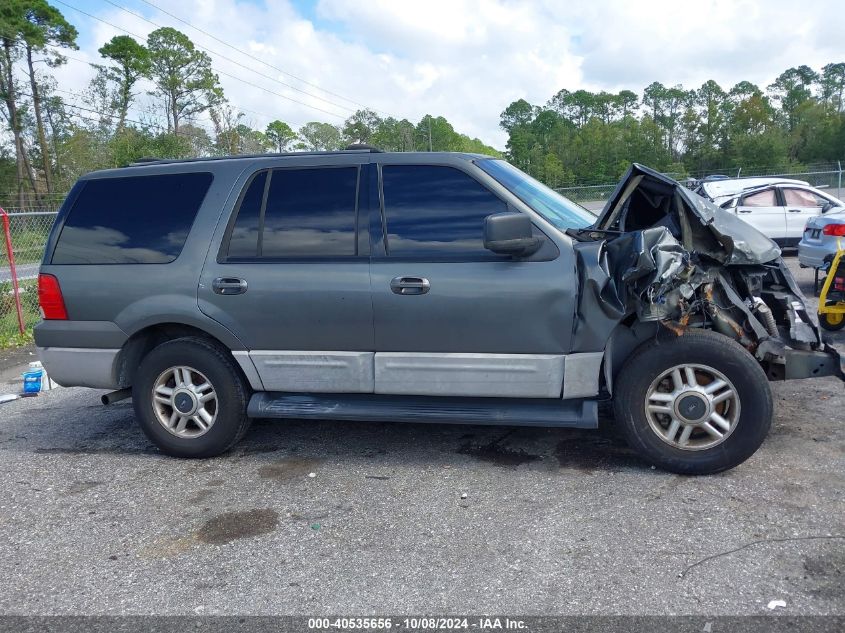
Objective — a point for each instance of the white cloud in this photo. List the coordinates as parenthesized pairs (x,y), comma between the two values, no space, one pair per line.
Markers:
(467,60)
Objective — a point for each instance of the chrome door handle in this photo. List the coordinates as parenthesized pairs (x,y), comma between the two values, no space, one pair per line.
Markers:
(410,285)
(229,286)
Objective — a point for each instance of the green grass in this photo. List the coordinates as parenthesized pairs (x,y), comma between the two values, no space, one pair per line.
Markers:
(15,340)
(10,335)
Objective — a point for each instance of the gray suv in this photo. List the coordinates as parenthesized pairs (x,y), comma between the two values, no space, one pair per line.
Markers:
(422,287)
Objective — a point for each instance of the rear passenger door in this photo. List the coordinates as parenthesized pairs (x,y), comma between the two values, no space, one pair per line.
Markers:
(291,279)
(764,212)
(451,317)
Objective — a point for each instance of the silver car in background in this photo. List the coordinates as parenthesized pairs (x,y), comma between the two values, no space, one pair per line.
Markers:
(823,235)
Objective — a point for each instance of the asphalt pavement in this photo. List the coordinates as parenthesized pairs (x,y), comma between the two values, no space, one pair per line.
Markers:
(365,518)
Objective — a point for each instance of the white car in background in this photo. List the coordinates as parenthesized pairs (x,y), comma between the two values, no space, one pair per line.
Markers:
(719,189)
(781,209)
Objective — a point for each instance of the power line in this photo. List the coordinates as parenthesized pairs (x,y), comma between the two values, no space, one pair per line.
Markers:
(258,59)
(267,90)
(232,61)
(235,105)
(97,112)
(90,63)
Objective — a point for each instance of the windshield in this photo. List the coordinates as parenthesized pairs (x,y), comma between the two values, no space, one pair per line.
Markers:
(559,211)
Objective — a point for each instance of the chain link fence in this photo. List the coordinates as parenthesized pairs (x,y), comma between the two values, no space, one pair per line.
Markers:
(26,231)
(829,178)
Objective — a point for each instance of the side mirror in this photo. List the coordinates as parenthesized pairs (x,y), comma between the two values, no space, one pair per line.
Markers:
(510,234)
(827,207)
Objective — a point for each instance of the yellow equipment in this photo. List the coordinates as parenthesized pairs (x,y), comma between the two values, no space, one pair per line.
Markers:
(832,297)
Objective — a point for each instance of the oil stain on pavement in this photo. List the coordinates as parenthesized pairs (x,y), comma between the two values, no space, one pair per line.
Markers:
(230,526)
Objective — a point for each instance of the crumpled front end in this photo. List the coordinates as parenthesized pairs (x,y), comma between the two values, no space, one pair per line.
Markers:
(663,254)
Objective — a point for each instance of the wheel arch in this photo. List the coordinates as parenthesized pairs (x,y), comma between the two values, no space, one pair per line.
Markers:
(144,340)
(625,338)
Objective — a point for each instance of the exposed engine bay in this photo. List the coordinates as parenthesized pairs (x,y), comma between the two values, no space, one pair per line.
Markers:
(666,255)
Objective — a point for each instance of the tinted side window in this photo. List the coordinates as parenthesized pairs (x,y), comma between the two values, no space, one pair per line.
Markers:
(132,220)
(244,239)
(310,213)
(436,211)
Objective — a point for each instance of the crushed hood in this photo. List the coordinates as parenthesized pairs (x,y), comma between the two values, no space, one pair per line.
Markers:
(661,254)
(643,195)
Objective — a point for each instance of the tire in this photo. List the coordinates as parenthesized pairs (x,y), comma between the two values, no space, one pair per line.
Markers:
(648,401)
(832,322)
(191,369)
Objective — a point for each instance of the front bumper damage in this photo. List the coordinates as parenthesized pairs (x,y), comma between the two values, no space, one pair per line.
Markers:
(660,253)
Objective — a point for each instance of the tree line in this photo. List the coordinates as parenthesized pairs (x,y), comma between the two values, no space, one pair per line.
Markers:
(583,136)
(53,137)
(162,98)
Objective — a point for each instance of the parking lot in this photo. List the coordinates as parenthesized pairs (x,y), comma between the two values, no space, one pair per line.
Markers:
(356,518)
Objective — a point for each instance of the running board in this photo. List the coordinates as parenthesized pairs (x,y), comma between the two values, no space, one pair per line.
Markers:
(581,414)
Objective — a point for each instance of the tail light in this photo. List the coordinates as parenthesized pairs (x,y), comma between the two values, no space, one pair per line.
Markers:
(50,298)
(834,229)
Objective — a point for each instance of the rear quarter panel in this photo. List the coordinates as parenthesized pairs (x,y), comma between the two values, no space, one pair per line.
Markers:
(134,296)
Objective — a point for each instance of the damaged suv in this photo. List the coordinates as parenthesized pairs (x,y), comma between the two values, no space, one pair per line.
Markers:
(420,287)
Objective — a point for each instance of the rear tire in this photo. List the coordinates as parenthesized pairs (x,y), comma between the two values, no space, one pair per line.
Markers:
(694,405)
(190,398)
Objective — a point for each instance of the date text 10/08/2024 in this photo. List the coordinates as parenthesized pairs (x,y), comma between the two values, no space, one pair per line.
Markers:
(417,623)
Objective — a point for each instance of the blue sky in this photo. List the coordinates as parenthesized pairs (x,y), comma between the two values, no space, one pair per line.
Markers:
(467,59)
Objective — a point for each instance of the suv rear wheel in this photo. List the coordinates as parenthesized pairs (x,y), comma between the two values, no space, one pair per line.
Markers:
(695,404)
(190,399)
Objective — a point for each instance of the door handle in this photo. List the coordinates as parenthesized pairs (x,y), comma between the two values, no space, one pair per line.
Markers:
(410,285)
(744,210)
(795,210)
(229,286)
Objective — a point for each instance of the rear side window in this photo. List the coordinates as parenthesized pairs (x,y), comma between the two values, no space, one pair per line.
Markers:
(310,212)
(436,211)
(132,220)
(305,213)
(244,240)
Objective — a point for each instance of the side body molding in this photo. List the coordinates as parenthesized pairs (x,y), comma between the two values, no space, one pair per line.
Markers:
(426,374)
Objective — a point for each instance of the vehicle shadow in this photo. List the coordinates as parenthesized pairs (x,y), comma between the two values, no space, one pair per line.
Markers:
(113,430)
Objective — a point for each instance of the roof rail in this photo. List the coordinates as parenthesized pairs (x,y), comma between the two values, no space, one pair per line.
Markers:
(364,147)
(166,161)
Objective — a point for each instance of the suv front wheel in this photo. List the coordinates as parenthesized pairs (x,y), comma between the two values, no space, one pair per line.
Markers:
(695,404)
(190,399)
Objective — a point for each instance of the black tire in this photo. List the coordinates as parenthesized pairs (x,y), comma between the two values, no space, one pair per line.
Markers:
(832,322)
(218,367)
(753,416)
